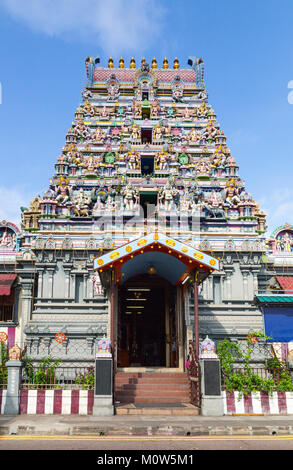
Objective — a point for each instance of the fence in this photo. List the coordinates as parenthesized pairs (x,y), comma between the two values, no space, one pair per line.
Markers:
(3,377)
(48,377)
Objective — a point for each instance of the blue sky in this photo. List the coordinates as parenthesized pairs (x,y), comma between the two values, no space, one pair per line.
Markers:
(248,55)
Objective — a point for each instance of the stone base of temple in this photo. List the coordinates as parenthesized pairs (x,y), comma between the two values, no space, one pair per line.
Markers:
(159,409)
(103,406)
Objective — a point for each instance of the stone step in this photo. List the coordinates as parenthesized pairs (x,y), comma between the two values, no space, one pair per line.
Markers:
(163,409)
(147,381)
(150,399)
(173,375)
(152,386)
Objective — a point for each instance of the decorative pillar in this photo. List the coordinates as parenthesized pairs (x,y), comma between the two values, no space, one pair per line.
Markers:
(26,301)
(196,320)
(103,400)
(245,284)
(40,282)
(14,366)
(13,388)
(211,400)
(67,283)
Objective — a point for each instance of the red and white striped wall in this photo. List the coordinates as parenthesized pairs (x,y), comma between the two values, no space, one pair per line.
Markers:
(81,402)
(258,403)
(65,402)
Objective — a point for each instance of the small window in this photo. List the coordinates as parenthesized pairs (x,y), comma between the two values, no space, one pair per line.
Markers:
(78,288)
(147,165)
(7,307)
(146,136)
(217,290)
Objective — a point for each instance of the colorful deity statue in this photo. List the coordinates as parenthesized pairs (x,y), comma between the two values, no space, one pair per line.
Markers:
(284,242)
(187,115)
(185,201)
(8,239)
(162,159)
(203,166)
(202,111)
(81,131)
(177,90)
(63,191)
(104,113)
(194,137)
(210,132)
(97,285)
(202,95)
(80,204)
(136,109)
(113,91)
(92,163)
(132,159)
(135,132)
(155,109)
(89,109)
(232,194)
(219,158)
(214,205)
(130,197)
(158,132)
(166,197)
(99,135)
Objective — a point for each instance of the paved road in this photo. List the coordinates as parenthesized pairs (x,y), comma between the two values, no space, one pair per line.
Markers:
(123,444)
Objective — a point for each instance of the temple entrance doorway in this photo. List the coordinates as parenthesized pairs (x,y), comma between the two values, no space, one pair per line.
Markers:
(147,324)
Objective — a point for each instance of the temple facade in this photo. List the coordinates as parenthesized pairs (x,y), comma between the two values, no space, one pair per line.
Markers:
(147,234)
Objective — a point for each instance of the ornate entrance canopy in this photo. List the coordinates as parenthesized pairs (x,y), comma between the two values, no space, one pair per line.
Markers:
(171,259)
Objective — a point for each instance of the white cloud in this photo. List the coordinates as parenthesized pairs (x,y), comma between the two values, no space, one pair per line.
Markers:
(278,207)
(11,200)
(114,25)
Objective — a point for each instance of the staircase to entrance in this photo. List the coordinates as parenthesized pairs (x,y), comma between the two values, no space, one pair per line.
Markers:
(153,393)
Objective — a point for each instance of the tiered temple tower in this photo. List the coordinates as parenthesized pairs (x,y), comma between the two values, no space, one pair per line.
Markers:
(144,154)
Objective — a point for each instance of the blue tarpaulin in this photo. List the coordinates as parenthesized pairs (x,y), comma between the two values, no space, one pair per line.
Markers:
(278,323)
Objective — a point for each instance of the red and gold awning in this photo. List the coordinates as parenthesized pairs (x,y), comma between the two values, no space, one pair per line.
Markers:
(191,258)
(6,283)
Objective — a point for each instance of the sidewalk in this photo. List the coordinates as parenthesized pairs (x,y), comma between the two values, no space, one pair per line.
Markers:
(75,425)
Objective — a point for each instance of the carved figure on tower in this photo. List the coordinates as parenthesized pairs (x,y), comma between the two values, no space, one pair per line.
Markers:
(162,159)
(155,109)
(89,109)
(81,131)
(136,109)
(214,205)
(63,191)
(80,204)
(130,197)
(210,132)
(203,166)
(232,194)
(158,132)
(177,89)
(113,88)
(194,137)
(135,132)
(166,197)
(99,135)
(133,159)
(104,113)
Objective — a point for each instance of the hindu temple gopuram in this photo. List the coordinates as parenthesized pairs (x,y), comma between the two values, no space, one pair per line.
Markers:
(147,234)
